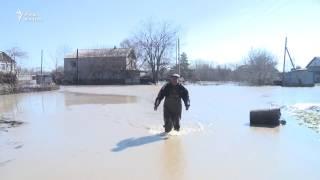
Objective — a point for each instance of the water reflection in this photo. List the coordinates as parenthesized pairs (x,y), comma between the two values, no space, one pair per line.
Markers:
(9,102)
(172,156)
(266,130)
(75,98)
(52,101)
(31,103)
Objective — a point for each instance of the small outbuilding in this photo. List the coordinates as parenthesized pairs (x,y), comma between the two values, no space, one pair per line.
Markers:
(44,79)
(298,78)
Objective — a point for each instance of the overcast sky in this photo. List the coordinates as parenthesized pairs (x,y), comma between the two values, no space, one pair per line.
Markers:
(217,30)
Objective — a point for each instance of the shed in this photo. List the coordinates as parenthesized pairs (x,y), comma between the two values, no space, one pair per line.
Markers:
(44,79)
(298,78)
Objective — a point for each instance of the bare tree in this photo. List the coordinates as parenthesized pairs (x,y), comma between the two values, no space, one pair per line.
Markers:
(260,67)
(57,57)
(130,43)
(153,45)
(16,53)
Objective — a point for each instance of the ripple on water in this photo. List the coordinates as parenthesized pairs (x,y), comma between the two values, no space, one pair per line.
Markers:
(185,129)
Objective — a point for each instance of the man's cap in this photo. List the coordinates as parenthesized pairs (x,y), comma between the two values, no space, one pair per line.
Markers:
(175,75)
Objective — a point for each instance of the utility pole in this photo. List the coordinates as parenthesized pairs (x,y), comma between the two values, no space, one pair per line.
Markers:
(293,66)
(41,62)
(178,56)
(286,51)
(284,60)
(77,66)
(56,65)
(41,77)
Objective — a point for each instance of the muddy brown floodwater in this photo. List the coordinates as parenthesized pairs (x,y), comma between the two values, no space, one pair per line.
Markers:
(112,132)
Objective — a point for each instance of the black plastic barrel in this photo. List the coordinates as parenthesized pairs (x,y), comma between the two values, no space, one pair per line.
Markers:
(265,117)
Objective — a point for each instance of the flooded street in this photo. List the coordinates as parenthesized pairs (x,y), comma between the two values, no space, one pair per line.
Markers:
(112,132)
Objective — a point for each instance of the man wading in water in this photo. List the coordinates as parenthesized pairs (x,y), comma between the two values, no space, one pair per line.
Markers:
(172,107)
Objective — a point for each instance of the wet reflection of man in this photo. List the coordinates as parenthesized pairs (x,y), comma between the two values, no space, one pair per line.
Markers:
(174,164)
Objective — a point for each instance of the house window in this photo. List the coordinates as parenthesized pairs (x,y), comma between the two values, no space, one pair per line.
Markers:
(3,67)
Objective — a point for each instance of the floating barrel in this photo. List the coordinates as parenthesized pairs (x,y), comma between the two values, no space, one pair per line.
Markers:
(265,117)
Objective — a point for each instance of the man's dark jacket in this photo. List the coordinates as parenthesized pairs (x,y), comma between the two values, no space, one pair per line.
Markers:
(166,89)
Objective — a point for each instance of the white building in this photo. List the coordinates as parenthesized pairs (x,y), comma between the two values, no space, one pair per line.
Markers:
(299,78)
(314,66)
(101,66)
(7,64)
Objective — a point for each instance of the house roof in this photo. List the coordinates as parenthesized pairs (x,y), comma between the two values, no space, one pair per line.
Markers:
(314,62)
(106,52)
(5,58)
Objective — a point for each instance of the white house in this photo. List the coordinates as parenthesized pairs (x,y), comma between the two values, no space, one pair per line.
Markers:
(7,64)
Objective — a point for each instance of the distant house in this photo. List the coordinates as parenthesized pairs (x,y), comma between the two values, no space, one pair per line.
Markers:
(7,64)
(314,66)
(101,66)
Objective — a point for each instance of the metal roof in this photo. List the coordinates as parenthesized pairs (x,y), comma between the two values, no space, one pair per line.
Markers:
(106,52)
(314,62)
